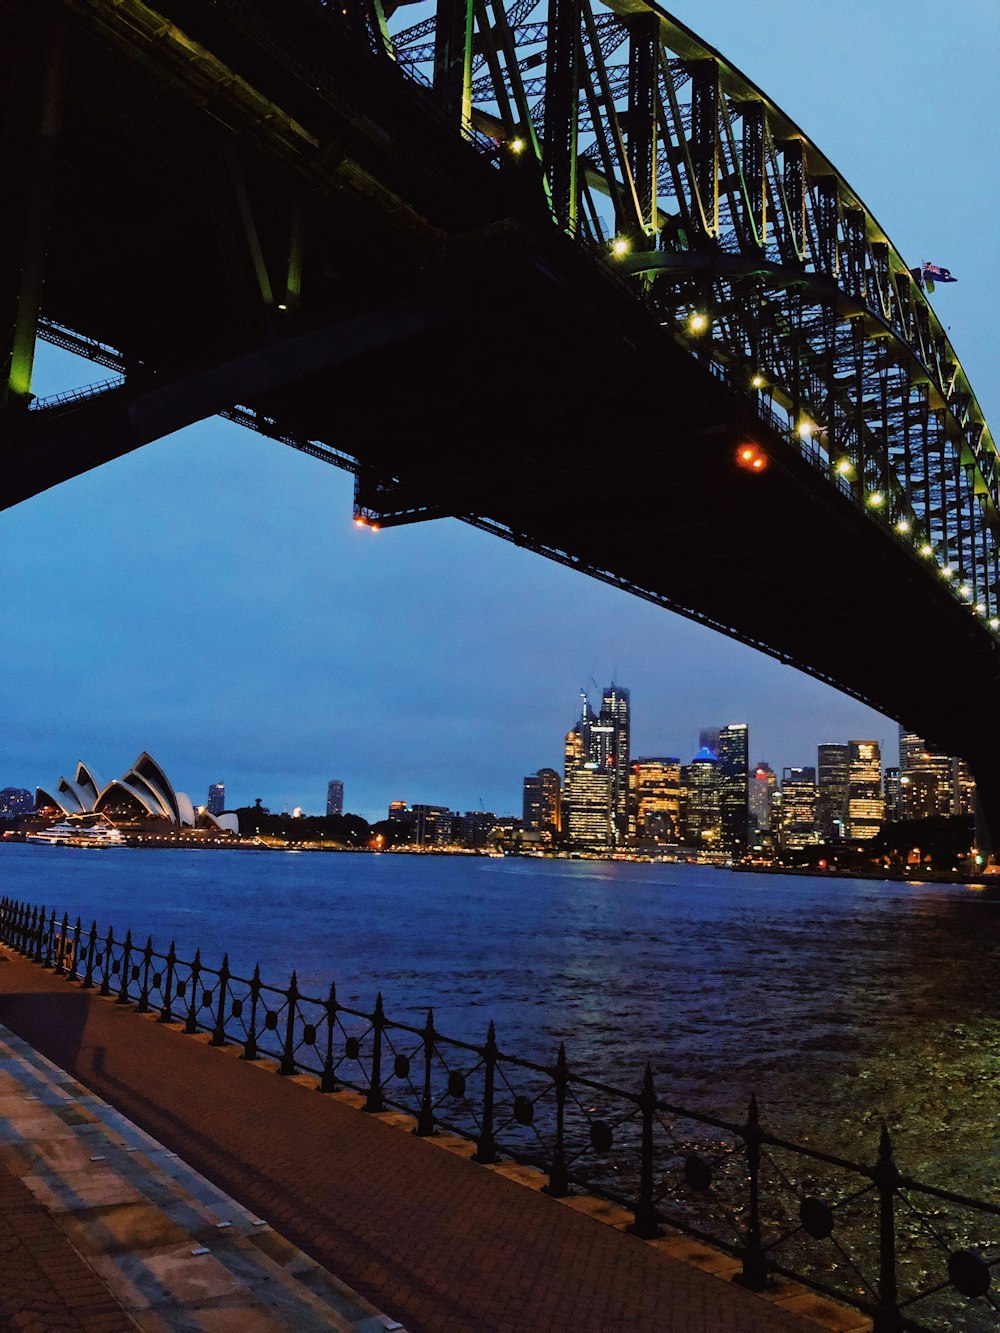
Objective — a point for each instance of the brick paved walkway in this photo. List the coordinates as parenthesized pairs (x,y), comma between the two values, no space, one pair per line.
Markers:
(437,1241)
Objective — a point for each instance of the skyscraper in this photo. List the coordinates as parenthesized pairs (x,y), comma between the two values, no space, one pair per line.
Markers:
(702,814)
(334,797)
(892,792)
(865,808)
(610,742)
(831,802)
(216,798)
(934,793)
(798,808)
(656,796)
(734,785)
(542,802)
(587,808)
(762,786)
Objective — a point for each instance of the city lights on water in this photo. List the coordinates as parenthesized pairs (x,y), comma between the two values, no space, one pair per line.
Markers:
(698,321)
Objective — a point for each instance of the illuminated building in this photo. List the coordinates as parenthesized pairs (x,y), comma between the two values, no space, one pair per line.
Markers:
(15,801)
(656,795)
(734,792)
(865,807)
(587,812)
(892,793)
(946,786)
(334,797)
(761,788)
(143,799)
(614,722)
(702,810)
(473,829)
(216,798)
(431,824)
(542,808)
(798,808)
(833,781)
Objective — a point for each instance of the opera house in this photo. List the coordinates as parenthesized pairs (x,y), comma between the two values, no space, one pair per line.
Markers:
(143,800)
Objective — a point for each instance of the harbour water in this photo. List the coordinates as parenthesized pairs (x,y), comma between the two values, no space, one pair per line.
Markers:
(839,1002)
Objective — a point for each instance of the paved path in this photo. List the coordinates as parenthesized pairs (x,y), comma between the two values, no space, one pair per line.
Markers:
(104,1230)
(439,1242)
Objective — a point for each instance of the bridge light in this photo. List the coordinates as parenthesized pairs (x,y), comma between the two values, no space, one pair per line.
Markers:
(806,428)
(927,549)
(845,467)
(994,622)
(282,306)
(876,499)
(517,145)
(980,609)
(947,572)
(698,322)
(359,522)
(620,246)
(374,527)
(758,381)
(965,590)
(750,457)
(903,525)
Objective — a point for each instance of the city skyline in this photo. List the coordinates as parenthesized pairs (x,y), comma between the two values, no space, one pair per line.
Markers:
(434,662)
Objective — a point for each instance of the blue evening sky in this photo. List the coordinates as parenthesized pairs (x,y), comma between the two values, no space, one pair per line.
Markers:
(208,598)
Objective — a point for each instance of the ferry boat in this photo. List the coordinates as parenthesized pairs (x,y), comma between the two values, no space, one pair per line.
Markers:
(89,831)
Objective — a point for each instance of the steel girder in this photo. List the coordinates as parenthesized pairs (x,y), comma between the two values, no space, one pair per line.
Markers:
(754,252)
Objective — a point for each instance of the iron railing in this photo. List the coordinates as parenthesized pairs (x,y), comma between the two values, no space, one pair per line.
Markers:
(912,1256)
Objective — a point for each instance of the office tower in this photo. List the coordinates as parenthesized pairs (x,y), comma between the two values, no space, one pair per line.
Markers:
(610,743)
(831,801)
(798,808)
(334,797)
(964,801)
(432,825)
(935,793)
(702,812)
(865,808)
(542,802)
(575,751)
(587,813)
(656,792)
(473,829)
(892,795)
(734,785)
(216,798)
(762,785)
(399,812)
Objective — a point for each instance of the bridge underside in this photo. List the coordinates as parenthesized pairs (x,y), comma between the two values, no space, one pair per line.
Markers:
(380,290)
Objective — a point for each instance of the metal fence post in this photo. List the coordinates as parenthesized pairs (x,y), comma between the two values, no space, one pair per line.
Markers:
(374,1102)
(558,1185)
(645,1224)
(754,1274)
(61,946)
(250,1045)
(50,935)
(486,1144)
(425,1120)
(88,973)
(109,944)
(287,1065)
(39,931)
(166,1014)
(147,958)
(219,1031)
(191,1023)
(887,1317)
(75,963)
(126,964)
(328,1082)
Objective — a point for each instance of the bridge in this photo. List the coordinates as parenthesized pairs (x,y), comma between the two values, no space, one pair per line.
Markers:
(554,268)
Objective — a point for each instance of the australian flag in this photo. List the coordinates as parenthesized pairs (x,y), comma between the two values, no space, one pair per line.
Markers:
(933,273)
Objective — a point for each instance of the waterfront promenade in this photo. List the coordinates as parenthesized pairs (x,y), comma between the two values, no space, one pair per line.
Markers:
(436,1241)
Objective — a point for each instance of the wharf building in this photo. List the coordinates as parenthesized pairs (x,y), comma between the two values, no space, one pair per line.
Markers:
(865,804)
(334,798)
(216,798)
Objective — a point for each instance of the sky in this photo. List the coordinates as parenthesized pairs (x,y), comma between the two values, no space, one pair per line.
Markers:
(208,598)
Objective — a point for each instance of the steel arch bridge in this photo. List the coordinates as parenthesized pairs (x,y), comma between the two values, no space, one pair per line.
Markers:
(583,203)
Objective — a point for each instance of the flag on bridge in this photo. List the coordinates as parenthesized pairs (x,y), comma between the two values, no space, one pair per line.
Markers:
(932,273)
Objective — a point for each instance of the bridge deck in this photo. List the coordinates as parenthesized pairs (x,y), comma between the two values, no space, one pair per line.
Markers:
(436,1240)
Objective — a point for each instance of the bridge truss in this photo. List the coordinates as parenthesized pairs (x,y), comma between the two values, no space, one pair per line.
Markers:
(741,237)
